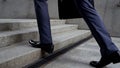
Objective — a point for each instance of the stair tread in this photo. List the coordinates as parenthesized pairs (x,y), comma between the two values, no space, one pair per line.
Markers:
(80,57)
(60,26)
(24,20)
(76,58)
(17,20)
(17,50)
(6,33)
(11,52)
(70,34)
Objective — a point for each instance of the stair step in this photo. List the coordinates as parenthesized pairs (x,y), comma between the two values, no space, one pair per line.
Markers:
(21,54)
(76,58)
(17,24)
(81,56)
(73,36)
(63,28)
(92,44)
(10,37)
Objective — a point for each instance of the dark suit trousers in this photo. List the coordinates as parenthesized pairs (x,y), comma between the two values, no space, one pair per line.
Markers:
(43,21)
(96,26)
(91,17)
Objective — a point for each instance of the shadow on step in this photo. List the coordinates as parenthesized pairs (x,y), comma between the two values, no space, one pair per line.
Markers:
(50,57)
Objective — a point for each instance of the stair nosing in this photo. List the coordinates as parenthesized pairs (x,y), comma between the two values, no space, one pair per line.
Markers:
(3,21)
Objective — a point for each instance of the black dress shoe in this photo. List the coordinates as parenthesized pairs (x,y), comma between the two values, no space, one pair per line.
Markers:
(95,64)
(102,63)
(112,58)
(45,47)
(34,43)
(115,57)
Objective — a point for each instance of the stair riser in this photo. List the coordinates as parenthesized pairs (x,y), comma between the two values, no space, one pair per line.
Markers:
(60,30)
(8,40)
(21,61)
(18,26)
(11,39)
(57,22)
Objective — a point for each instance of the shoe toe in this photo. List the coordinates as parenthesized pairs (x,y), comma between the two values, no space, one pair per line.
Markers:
(31,42)
(93,63)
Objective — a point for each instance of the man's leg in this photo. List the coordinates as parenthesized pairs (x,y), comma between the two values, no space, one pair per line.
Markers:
(43,22)
(96,25)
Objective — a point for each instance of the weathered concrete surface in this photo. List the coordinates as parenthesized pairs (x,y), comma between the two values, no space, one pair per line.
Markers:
(16,9)
(24,9)
(21,54)
(81,56)
(109,13)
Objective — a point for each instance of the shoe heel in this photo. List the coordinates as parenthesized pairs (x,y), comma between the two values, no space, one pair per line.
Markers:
(51,50)
(116,61)
(116,57)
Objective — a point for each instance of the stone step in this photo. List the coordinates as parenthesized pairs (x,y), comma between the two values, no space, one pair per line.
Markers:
(76,35)
(17,24)
(21,54)
(92,44)
(81,56)
(10,37)
(76,58)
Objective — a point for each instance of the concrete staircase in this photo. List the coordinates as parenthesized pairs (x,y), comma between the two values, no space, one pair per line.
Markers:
(15,51)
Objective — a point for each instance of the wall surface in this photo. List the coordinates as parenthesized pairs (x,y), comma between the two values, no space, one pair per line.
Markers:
(107,9)
(16,9)
(110,14)
(24,9)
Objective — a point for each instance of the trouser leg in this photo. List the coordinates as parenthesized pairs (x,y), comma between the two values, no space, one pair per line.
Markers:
(43,21)
(96,26)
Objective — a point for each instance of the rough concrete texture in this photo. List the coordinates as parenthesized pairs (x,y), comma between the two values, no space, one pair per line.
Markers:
(17,24)
(21,54)
(24,9)
(9,37)
(81,56)
(25,29)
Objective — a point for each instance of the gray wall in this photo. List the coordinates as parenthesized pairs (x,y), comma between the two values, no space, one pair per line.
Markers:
(16,9)
(24,9)
(109,13)
(107,9)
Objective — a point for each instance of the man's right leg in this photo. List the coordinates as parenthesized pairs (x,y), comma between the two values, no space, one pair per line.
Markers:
(108,49)
(43,22)
(97,27)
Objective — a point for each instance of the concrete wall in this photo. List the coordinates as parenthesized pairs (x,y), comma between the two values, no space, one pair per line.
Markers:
(112,17)
(16,9)
(109,13)
(25,9)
